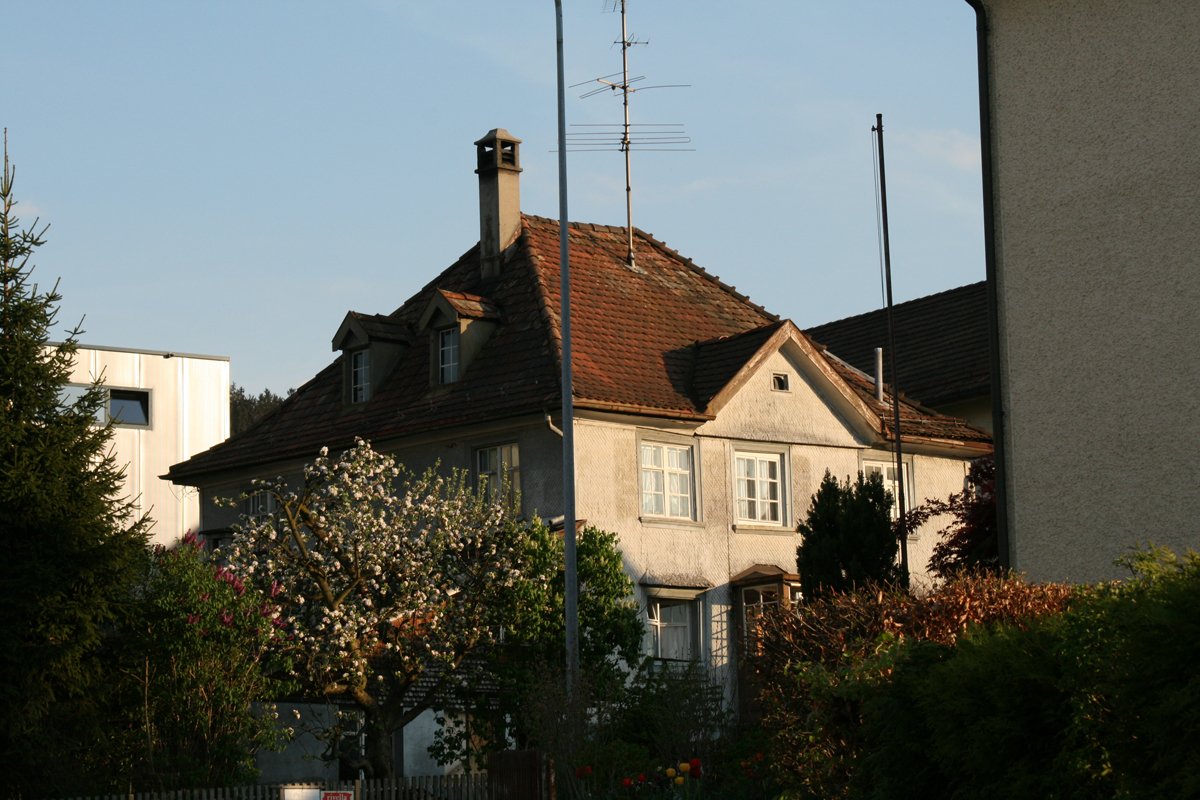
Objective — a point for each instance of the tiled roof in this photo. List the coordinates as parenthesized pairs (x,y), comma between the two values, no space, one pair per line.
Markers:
(381,327)
(717,361)
(471,306)
(915,421)
(941,344)
(661,338)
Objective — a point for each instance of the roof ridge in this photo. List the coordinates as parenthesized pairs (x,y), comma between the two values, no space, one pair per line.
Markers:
(910,303)
(553,324)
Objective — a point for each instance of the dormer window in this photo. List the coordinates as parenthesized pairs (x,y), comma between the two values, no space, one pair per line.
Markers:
(448,358)
(360,376)
(371,345)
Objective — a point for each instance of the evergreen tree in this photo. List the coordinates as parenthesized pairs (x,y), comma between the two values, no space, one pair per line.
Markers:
(245,408)
(72,548)
(847,537)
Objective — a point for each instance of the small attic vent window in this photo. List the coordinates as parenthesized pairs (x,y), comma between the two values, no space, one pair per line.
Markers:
(779,382)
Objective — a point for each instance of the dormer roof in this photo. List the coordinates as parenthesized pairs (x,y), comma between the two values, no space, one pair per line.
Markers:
(358,330)
(458,305)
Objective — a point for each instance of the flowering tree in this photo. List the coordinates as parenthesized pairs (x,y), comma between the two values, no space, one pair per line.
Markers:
(387,581)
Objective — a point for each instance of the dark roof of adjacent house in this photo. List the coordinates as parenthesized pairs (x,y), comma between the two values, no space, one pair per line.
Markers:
(941,344)
(660,338)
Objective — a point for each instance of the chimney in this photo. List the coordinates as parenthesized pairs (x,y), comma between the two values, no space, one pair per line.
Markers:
(498,156)
(879,374)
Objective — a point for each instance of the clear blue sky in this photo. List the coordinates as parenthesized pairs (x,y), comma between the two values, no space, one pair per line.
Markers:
(230,177)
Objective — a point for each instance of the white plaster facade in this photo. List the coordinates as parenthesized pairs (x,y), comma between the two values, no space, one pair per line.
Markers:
(1095,167)
(185,399)
(805,425)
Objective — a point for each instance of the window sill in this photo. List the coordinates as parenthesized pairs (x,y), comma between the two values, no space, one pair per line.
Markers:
(669,522)
(750,527)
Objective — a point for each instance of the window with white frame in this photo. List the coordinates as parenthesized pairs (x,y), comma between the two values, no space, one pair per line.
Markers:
(448,341)
(668,480)
(760,488)
(260,503)
(360,376)
(887,471)
(498,468)
(674,628)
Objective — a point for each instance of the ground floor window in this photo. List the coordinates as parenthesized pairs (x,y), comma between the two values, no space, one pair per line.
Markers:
(674,628)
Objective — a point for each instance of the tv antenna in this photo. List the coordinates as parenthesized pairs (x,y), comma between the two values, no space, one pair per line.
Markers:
(623,136)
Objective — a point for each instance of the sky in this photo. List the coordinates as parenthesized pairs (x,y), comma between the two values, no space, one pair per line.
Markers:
(230,178)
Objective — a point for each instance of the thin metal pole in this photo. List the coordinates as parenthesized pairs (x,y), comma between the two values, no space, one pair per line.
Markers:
(625,142)
(887,267)
(571,591)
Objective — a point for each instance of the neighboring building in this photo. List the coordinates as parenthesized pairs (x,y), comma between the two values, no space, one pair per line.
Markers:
(1091,168)
(941,350)
(703,425)
(166,407)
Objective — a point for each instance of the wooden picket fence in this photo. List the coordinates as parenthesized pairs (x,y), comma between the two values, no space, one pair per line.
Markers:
(469,786)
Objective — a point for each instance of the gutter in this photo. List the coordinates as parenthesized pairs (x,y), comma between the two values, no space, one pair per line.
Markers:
(1003,534)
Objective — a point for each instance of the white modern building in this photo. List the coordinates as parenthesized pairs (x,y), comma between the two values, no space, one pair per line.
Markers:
(166,407)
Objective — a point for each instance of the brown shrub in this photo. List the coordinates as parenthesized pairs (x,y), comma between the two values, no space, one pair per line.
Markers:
(817,661)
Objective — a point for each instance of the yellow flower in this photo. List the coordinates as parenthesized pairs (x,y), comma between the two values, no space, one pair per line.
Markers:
(679,781)
(684,767)
(670,772)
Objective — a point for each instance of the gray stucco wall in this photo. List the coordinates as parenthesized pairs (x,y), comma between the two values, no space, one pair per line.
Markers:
(1096,154)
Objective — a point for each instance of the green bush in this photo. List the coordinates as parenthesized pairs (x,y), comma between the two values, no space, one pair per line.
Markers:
(1099,701)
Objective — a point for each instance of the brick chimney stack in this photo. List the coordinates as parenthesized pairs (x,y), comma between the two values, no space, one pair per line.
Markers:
(498,157)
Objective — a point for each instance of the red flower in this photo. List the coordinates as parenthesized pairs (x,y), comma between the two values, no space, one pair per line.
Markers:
(642,778)
(583,772)
(627,782)
(695,762)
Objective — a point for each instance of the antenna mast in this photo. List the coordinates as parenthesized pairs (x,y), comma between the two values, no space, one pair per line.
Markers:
(624,138)
(626,43)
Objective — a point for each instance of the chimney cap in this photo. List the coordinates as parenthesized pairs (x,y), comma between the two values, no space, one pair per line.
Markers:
(498,150)
(497,133)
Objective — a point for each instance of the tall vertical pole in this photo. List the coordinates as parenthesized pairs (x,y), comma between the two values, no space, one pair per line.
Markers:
(625,140)
(887,266)
(571,591)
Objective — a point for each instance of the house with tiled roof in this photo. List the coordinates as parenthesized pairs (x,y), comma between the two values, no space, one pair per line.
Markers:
(941,349)
(703,422)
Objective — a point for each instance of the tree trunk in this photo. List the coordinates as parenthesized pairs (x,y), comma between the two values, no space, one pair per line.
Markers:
(379,745)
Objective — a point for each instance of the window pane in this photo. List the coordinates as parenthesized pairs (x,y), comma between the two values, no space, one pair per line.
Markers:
(666,480)
(674,627)
(759,488)
(129,407)
(651,456)
(448,355)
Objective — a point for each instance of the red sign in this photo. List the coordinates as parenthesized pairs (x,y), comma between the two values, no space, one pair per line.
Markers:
(337,795)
